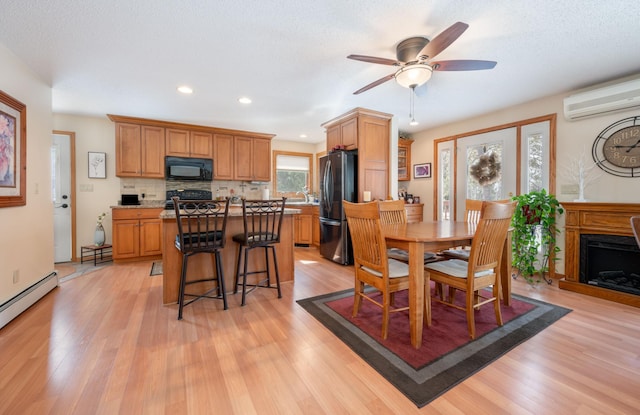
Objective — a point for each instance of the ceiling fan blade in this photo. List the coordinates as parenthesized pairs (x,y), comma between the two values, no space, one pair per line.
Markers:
(442,41)
(375,83)
(462,65)
(373,59)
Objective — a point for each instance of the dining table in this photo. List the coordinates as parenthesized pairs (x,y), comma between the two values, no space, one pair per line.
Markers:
(432,236)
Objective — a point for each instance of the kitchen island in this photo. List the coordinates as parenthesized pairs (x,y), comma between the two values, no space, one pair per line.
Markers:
(203,265)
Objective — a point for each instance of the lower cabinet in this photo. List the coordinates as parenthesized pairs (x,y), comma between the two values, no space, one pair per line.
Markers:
(137,233)
(302,225)
(414,212)
(315,223)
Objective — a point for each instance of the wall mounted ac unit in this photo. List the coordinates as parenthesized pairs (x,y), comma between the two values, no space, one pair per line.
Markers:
(615,97)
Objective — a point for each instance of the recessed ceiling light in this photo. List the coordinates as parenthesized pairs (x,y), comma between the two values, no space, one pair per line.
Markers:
(303,136)
(244,100)
(185,89)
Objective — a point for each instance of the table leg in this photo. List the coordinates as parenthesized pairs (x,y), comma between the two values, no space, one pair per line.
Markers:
(505,271)
(416,292)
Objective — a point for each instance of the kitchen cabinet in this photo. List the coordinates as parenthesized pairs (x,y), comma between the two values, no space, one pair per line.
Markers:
(414,212)
(252,159)
(370,130)
(139,150)
(237,154)
(189,143)
(404,159)
(315,224)
(223,162)
(137,233)
(302,225)
(344,134)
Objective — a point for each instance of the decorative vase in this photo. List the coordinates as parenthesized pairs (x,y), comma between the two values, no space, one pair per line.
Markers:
(98,237)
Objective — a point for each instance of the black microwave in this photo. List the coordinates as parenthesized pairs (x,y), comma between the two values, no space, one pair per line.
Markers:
(188,168)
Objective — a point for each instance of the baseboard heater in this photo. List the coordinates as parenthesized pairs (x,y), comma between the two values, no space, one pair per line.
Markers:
(12,308)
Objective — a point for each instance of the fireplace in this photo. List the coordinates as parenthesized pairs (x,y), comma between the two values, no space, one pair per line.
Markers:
(610,261)
(601,256)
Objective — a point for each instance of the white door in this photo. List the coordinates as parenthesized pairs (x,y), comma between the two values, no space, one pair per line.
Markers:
(486,166)
(62,196)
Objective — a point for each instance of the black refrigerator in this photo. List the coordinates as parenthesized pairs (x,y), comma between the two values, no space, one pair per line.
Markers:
(338,182)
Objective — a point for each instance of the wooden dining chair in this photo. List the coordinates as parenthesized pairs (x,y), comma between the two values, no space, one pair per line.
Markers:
(635,226)
(392,212)
(372,266)
(472,214)
(483,268)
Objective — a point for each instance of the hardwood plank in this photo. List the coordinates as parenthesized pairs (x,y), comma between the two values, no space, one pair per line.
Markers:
(103,343)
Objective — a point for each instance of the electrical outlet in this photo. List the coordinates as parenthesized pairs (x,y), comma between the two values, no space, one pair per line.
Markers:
(16,276)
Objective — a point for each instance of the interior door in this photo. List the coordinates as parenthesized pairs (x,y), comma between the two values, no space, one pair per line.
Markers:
(478,178)
(63,195)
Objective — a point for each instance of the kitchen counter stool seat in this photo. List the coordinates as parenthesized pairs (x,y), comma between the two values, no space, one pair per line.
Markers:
(262,227)
(201,230)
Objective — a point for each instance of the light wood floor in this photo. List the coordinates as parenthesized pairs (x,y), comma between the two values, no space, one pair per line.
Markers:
(104,344)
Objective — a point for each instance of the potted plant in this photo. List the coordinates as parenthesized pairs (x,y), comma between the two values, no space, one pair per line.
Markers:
(534,233)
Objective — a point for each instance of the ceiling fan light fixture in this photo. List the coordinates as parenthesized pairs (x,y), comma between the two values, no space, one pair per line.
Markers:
(413,75)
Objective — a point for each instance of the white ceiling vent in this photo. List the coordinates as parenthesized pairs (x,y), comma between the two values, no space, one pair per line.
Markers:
(615,97)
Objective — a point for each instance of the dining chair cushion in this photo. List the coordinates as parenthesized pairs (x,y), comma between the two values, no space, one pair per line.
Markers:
(396,269)
(402,255)
(457,253)
(456,268)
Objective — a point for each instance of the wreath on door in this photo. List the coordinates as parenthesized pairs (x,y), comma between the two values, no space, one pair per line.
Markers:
(487,170)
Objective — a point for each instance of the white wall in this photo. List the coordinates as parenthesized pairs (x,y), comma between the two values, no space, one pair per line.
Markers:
(92,134)
(26,245)
(571,138)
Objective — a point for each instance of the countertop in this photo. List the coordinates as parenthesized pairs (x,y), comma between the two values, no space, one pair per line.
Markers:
(234,210)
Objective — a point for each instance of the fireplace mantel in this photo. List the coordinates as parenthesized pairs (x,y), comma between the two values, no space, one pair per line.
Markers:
(595,218)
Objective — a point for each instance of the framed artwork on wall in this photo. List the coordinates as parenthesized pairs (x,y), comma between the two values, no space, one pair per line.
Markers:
(13,151)
(422,171)
(97,165)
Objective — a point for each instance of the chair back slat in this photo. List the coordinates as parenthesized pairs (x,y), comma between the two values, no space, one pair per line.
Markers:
(490,236)
(369,245)
(392,211)
(201,224)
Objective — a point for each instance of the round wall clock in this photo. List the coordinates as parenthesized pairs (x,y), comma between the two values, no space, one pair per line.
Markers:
(616,149)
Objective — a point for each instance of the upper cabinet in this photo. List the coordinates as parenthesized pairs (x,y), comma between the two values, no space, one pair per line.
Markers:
(185,143)
(404,159)
(236,154)
(250,163)
(369,132)
(344,134)
(139,150)
(223,163)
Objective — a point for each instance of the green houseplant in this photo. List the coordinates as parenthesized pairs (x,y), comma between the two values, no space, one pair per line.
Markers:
(534,233)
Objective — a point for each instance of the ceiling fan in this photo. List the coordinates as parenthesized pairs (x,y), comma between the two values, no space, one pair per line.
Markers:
(414,59)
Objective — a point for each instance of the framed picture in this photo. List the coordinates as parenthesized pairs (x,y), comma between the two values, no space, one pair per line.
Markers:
(421,171)
(13,151)
(97,165)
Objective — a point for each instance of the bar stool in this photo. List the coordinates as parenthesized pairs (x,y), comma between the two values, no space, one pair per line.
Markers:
(262,223)
(201,230)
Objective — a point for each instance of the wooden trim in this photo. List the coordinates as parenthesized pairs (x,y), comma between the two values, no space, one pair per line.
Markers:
(193,127)
(355,113)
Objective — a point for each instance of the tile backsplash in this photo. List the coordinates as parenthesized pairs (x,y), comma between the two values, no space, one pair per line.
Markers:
(155,189)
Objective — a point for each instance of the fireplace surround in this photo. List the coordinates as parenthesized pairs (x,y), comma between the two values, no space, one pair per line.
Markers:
(607,228)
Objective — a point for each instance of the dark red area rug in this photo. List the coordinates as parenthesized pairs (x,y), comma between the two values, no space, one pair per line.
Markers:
(447,355)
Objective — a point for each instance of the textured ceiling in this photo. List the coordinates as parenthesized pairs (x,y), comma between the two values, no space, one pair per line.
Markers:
(289,56)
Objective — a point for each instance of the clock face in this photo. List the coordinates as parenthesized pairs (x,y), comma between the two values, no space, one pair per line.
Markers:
(616,150)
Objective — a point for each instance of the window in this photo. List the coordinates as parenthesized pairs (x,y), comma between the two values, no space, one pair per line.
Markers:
(525,151)
(293,173)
